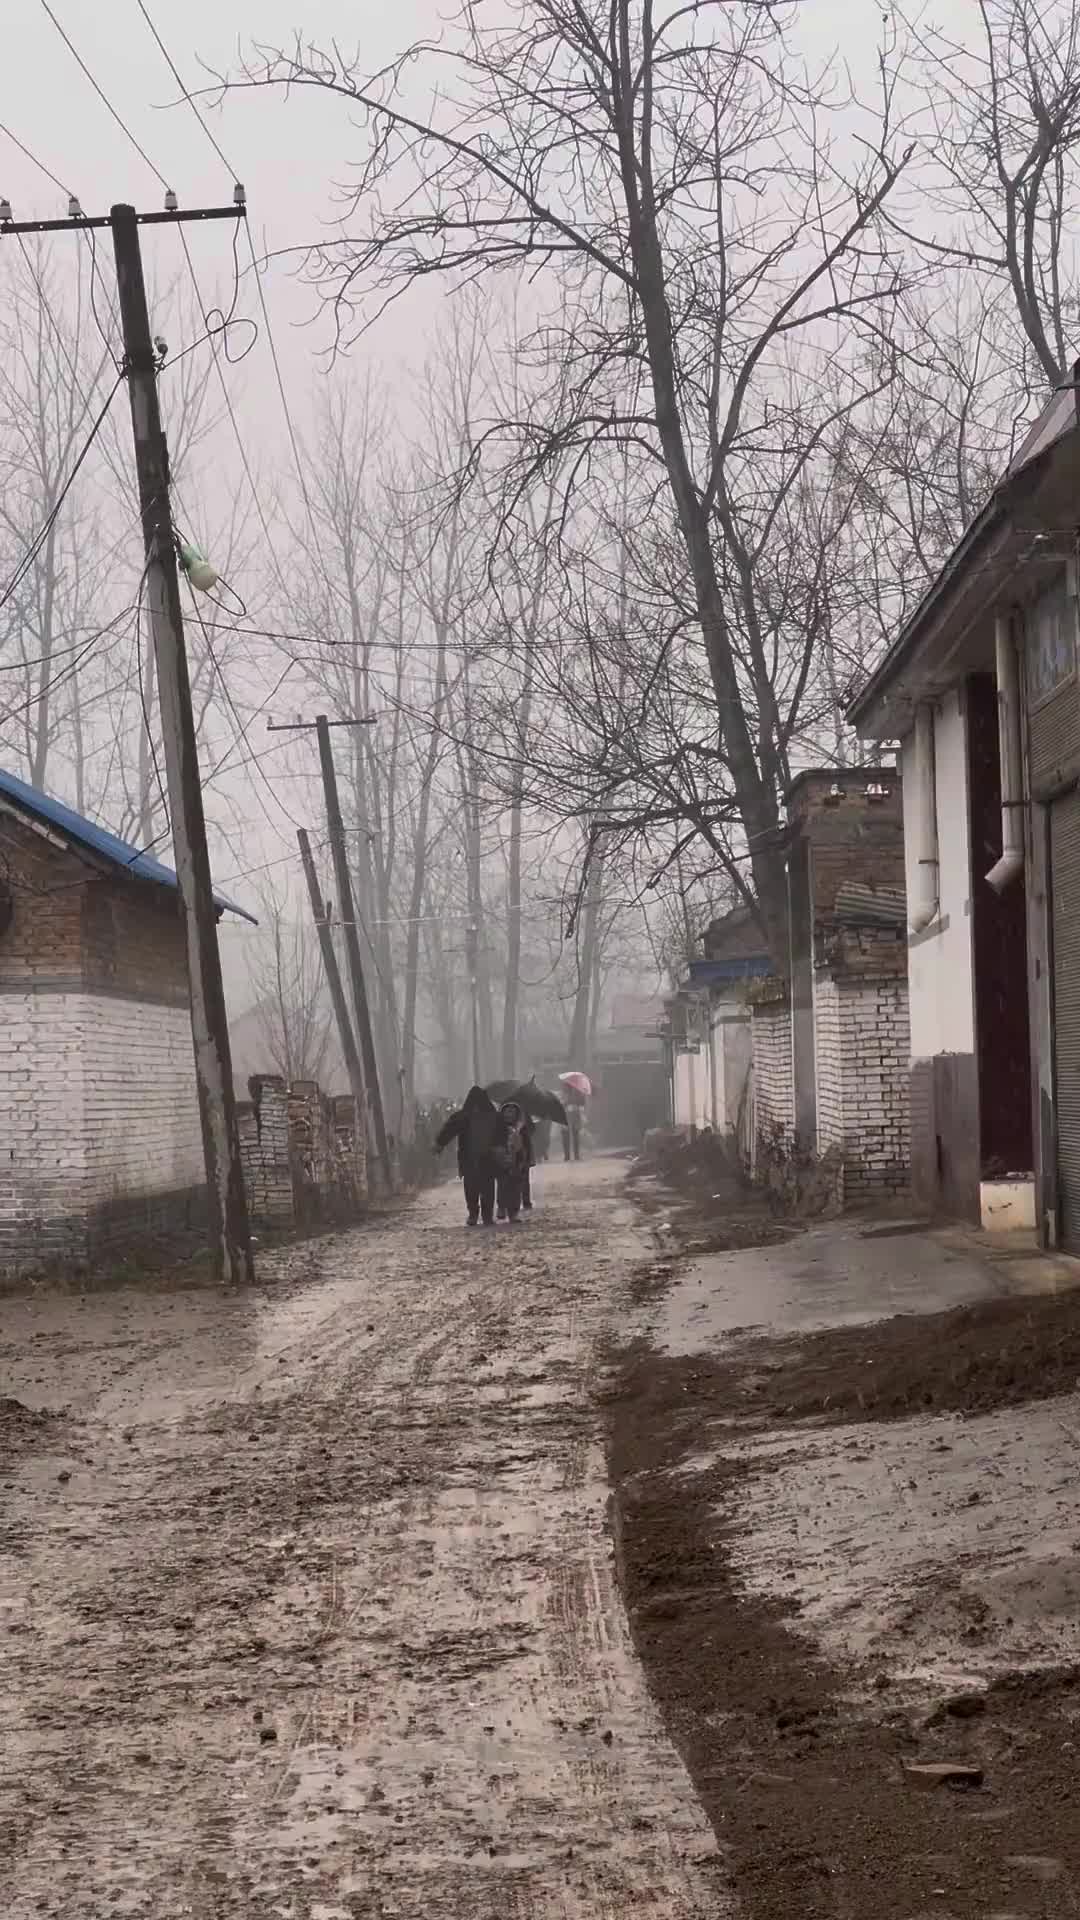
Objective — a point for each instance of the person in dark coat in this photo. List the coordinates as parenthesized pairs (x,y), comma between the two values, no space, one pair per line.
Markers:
(475,1126)
(511,1160)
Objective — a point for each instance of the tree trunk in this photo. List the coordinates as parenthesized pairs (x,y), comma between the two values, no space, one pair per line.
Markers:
(416,896)
(512,992)
(587,965)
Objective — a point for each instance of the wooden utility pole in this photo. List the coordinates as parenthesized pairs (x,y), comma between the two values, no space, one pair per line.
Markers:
(343,879)
(337,994)
(231,1237)
(230,1234)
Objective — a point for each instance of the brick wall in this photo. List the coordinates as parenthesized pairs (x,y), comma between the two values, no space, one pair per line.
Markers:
(774,1093)
(101,1143)
(74,926)
(102,1140)
(863,1054)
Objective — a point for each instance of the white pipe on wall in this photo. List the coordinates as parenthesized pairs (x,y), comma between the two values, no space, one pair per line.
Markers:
(1007,668)
(925,906)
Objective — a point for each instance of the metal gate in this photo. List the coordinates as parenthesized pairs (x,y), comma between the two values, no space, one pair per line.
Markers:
(1065,894)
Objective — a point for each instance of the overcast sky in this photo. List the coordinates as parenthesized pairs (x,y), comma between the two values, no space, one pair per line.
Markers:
(288,155)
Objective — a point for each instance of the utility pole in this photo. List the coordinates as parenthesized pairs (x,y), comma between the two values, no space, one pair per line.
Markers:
(352,945)
(230,1233)
(231,1242)
(337,994)
(343,880)
(471,934)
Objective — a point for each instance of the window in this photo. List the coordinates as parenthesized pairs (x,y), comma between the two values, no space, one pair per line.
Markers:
(1051,645)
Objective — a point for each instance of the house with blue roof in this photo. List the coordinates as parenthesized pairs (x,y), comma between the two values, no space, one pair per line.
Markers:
(100,1141)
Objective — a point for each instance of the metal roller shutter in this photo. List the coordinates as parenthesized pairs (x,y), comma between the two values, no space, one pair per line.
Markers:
(1065,889)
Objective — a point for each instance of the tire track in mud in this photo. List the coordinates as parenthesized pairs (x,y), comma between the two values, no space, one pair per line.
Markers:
(344,1640)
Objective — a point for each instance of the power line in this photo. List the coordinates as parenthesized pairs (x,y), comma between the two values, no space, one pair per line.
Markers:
(33,159)
(104,98)
(66,673)
(171,64)
(243,729)
(293,440)
(205,311)
(49,522)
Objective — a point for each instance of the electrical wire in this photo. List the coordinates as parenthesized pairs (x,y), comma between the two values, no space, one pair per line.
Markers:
(147,721)
(240,724)
(66,673)
(117,359)
(290,428)
(171,64)
(49,522)
(104,98)
(206,312)
(46,306)
(33,159)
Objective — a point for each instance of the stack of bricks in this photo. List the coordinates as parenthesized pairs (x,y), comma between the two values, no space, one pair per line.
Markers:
(299,1154)
(264,1151)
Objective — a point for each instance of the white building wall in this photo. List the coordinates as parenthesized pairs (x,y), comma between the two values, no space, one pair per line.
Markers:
(774,1088)
(141,1106)
(940,961)
(692,1089)
(100,1107)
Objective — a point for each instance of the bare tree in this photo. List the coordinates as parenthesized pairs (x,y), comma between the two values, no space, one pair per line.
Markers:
(671,169)
(287,982)
(1003,143)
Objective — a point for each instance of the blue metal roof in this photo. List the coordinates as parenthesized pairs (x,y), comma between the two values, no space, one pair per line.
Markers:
(108,846)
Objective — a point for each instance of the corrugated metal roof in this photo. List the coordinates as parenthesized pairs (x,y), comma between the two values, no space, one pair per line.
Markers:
(108,846)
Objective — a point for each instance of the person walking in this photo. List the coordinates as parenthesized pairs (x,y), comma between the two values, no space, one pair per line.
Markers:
(475,1127)
(511,1161)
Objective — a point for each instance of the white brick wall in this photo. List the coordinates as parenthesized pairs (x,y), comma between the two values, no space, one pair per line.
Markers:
(774,1093)
(100,1107)
(863,1051)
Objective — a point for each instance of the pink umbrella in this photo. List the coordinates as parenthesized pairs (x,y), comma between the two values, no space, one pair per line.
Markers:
(580,1083)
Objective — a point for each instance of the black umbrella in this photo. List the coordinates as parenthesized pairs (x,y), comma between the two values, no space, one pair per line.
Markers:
(536,1101)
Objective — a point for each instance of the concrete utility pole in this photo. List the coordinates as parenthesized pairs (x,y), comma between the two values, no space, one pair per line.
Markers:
(337,994)
(343,880)
(231,1237)
(322,726)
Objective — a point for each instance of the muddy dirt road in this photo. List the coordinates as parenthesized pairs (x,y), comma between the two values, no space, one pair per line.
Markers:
(307,1612)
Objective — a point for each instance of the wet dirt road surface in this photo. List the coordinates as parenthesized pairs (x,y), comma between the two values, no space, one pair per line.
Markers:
(309,1610)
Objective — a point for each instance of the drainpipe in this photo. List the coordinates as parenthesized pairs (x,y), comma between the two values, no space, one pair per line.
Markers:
(925,907)
(1011,864)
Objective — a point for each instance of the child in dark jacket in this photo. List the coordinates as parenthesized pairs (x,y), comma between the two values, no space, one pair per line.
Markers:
(475,1127)
(511,1160)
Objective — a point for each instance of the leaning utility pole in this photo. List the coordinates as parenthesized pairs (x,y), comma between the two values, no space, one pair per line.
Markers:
(362,1011)
(342,876)
(231,1243)
(355,1070)
(230,1233)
